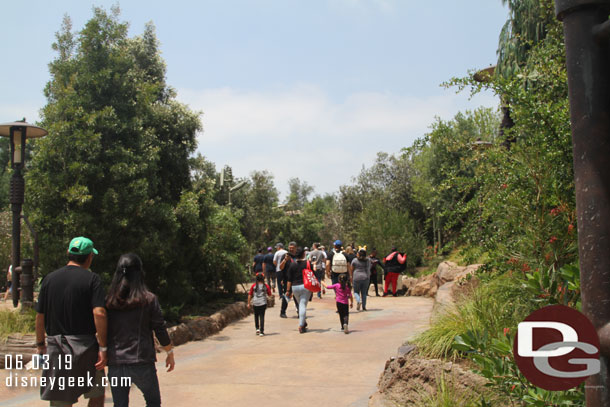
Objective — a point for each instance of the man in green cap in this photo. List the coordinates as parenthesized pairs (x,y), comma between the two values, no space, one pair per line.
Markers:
(70,311)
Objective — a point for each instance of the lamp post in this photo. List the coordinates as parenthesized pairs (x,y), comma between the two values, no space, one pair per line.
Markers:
(586,31)
(18,133)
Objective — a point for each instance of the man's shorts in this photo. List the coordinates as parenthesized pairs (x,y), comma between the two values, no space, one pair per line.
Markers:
(96,391)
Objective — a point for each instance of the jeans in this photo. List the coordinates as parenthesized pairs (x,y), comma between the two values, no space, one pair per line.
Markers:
(334,277)
(361,288)
(143,375)
(301,294)
(281,290)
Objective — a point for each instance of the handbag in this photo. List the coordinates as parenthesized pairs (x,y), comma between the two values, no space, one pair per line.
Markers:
(309,279)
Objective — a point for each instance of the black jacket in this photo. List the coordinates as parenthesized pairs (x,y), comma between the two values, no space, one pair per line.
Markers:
(130,333)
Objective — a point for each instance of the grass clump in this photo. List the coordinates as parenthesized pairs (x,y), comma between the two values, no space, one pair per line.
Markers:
(12,322)
(502,302)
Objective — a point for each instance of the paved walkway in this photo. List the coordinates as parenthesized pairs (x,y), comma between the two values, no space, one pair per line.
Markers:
(284,368)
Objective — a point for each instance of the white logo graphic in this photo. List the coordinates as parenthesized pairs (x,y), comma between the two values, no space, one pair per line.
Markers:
(568,344)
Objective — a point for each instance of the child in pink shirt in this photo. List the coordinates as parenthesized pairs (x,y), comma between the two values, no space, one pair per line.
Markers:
(343,293)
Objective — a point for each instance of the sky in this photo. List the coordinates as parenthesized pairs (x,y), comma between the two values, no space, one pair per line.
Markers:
(309,89)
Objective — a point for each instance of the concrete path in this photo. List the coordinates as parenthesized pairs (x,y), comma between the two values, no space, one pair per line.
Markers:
(321,367)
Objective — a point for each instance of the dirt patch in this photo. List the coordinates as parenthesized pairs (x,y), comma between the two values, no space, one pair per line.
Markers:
(412,380)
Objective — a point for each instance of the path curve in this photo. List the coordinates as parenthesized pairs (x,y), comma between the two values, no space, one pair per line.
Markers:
(322,366)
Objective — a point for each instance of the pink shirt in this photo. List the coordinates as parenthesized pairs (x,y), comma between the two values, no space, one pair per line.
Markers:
(341,295)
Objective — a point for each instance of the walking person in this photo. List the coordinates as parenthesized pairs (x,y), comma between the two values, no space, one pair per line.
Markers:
(269,269)
(361,267)
(257,298)
(336,263)
(280,275)
(343,293)
(134,314)
(317,258)
(296,286)
(394,265)
(257,264)
(71,314)
(375,262)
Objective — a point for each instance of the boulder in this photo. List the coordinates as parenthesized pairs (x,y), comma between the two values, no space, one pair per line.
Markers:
(407,283)
(425,286)
(447,271)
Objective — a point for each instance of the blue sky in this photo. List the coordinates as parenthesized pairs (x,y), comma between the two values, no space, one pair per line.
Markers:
(309,89)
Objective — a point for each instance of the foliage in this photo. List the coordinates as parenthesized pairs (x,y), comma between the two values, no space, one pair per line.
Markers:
(223,250)
(498,302)
(117,166)
(494,361)
(16,322)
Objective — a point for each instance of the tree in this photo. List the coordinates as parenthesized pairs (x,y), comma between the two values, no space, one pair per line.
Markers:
(115,164)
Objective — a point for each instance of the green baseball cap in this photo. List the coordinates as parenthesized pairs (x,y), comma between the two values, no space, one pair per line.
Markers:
(81,245)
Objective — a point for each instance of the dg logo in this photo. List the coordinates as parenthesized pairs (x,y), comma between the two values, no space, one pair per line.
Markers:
(557,348)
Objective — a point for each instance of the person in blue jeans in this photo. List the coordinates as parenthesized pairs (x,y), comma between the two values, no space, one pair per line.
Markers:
(134,314)
(296,286)
(361,267)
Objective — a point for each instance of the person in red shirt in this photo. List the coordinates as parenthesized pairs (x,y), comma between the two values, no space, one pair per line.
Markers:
(394,265)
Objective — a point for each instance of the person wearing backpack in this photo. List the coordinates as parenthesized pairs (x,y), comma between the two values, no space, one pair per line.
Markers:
(257,299)
(336,264)
(395,263)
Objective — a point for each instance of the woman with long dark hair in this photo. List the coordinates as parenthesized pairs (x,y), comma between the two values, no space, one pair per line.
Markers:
(134,314)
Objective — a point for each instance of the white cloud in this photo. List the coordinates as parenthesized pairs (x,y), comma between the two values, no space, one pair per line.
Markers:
(303,132)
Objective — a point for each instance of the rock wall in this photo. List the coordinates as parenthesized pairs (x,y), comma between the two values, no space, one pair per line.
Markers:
(428,286)
(202,327)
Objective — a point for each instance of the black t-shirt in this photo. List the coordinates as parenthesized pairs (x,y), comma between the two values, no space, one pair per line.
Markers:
(268,260)
(258,262)
(295,272)
(67,298)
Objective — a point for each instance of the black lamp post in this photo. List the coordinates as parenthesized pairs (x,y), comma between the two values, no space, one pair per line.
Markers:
(18,133)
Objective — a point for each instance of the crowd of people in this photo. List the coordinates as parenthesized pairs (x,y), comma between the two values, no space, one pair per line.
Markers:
(350,271)
(81,328)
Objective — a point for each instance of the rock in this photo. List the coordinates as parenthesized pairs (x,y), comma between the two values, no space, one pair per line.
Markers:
(447,271)
(180,334)
(424,286)
(407,283)
(409,379)
(18,344)
(444,297)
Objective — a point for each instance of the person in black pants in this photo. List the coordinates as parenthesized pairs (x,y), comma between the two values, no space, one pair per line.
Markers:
(257,297)
(375,262)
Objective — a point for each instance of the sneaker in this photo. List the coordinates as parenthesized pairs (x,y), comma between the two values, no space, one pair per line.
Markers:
(261,334)
(358,307)
(363,308)
(258,331)
(345,329)
(283,315)
(394,295)
(385,295)
(302,329)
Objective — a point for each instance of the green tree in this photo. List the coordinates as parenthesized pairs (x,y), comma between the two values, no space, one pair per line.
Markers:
(115,165)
